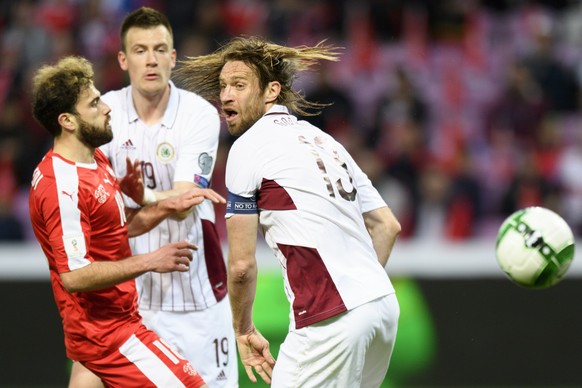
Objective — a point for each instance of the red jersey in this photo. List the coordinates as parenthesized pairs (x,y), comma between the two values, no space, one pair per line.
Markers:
(78,217)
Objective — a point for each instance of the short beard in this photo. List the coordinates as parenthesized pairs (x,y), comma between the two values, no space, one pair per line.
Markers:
(246,123)
(92,135)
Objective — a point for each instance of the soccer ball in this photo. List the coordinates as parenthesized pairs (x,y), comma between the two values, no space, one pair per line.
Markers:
(535,247)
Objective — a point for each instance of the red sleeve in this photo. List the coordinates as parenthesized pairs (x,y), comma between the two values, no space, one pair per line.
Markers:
(49,210)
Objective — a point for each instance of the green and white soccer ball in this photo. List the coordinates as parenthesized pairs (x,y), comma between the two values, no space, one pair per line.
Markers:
(535,247)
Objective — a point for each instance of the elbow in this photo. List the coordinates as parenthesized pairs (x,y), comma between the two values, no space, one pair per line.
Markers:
(394,228)
(69,283)
(241,272)
(131,232)
(76,280)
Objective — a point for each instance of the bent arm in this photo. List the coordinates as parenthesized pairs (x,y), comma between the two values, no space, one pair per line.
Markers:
(384,228)
(104,274)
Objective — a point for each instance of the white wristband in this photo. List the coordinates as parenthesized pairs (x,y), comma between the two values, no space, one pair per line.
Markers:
(149,197)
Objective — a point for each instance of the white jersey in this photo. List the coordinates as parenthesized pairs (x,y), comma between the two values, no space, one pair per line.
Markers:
(182,148)
(310,196)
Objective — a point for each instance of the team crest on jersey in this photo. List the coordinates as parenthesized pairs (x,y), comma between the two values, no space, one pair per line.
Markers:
(165,152)
(101,194)
(205,163)
(188,368)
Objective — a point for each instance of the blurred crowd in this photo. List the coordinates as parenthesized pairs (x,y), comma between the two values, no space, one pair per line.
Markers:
(460,111)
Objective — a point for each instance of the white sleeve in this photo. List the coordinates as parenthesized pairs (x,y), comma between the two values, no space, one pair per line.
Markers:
(198,146)
(242,170)
(368,197)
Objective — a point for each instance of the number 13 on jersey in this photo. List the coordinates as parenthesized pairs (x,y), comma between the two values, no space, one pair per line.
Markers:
(317,147)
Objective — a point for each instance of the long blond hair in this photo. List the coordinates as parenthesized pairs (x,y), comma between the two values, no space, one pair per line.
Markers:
(270,61)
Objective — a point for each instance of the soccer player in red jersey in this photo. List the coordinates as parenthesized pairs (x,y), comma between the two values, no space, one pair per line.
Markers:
(80,221)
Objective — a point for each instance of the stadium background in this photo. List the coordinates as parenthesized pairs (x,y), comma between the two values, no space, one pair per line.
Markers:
(459,111)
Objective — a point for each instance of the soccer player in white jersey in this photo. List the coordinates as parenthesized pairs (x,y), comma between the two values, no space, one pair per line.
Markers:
(327,225)
(174,134)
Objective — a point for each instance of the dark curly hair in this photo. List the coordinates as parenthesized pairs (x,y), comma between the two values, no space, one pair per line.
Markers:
(56,89)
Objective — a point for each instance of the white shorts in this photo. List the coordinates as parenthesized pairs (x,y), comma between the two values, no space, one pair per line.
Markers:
(349,350)
(205,338)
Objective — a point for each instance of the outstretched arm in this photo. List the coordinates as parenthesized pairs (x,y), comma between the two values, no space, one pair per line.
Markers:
(144,219)
(242,282)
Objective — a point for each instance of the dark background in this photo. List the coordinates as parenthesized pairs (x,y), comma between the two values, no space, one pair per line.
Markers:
(490,333)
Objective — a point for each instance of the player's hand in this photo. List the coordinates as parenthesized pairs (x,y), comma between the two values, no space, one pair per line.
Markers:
(132,183)
(172,257)
(254,353)
(184,203)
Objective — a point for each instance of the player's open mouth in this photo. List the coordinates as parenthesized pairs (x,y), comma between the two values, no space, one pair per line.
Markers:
(230,114)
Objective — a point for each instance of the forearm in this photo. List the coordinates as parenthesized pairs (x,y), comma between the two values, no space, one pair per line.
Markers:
(178,188)
(384,229)
(242,283)
(171,257)
(104,274)
(144,219)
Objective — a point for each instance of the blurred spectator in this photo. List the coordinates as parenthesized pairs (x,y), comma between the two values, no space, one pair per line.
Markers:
(569,167)
(448,19)
(245,17)
(401,103)
(558,81)
(434,188)
(464,207)
(405,156)
(519,107)
(26,43)
(548,147)
(11,150)
(200,26)
(529,188)
(55,16)
(336,118)
(448,202)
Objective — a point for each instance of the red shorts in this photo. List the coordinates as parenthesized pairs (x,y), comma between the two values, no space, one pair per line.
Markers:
(145,360)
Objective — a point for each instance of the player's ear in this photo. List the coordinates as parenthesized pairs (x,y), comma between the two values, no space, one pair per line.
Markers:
(67,121)
(122,59)
(272,92)
(173,57)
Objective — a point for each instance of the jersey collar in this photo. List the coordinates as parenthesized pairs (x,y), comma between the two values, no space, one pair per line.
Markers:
(277,110)
(171,110)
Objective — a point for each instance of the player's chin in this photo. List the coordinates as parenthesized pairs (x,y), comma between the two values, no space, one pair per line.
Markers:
(233,128)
